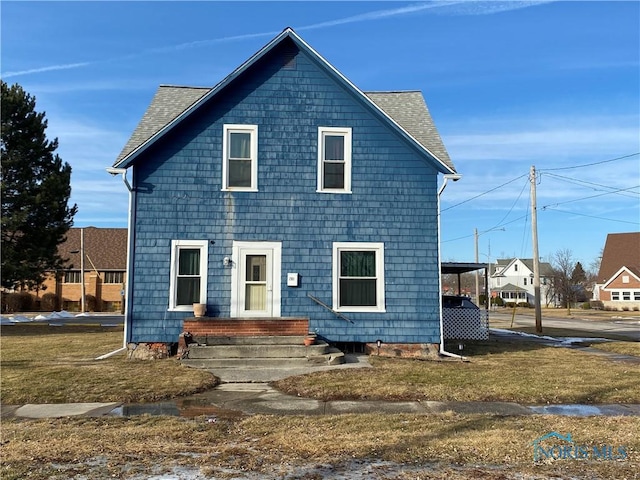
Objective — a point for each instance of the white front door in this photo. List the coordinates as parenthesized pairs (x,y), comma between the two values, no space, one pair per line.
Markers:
(255,279)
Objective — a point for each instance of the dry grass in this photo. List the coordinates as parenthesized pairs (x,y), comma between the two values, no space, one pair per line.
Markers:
(446,445)
(42,364)
(56,364)
(625,348)
(519,372)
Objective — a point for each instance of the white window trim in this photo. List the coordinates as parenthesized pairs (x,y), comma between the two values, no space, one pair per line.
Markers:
(346,132)
(175,246)
(253,130)
(380,290)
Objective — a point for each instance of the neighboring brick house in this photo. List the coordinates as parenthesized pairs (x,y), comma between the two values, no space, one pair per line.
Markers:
(512,280)
(285,193)
(104,270)
(618,283)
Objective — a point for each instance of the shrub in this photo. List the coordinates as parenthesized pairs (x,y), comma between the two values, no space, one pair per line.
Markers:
(625,309)
(91,303)
(499,301)
(19,302)
(49,302)
(586,306)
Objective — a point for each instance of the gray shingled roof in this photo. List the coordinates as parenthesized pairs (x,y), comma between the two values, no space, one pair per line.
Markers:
(105,247)
(168,102)
(407,109)
(546,269)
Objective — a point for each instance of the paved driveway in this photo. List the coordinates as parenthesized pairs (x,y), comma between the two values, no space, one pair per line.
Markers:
(616,327)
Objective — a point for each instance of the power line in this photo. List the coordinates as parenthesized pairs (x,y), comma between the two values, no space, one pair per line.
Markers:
(591,196)
(590,216)
(485,231)
(482,194)
(590,164)
(582,183)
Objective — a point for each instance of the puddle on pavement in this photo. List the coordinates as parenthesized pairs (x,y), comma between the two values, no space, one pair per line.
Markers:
(199,407)
(578,410)
(189,407)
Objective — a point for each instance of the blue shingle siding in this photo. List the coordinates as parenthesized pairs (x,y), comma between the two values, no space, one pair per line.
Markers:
(393,200)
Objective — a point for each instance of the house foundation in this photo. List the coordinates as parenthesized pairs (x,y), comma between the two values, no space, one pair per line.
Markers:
(428,351)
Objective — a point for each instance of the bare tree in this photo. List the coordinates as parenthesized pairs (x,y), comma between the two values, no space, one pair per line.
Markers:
(563,266)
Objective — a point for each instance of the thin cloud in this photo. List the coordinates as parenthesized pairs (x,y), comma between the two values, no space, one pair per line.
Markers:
(66,66)
(460,7)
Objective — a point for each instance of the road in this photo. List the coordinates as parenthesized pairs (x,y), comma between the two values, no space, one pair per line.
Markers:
(616,327)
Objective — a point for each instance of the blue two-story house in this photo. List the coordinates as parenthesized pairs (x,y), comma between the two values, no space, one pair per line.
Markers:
(285,192)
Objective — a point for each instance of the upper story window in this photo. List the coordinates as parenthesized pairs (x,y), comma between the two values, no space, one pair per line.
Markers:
(188,274)
(334,160)
(113,277)
(240,157)
(358,277)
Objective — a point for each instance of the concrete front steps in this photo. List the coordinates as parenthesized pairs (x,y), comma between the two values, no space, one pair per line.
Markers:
(260,352)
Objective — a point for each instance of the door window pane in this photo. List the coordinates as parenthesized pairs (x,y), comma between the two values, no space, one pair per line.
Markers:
(256,282)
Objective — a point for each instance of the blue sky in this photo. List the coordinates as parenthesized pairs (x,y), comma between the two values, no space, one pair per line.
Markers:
(509,85)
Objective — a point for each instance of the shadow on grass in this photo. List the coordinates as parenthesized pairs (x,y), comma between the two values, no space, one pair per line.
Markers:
(494,345)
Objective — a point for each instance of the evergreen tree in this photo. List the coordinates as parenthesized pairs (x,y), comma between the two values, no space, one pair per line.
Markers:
(35,193)
(578,276)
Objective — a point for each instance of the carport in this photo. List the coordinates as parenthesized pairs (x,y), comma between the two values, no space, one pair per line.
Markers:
(465,323)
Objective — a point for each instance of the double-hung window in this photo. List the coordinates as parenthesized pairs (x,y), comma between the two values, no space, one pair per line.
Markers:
(240,157)
(188,274)
(334,160)
(358,277)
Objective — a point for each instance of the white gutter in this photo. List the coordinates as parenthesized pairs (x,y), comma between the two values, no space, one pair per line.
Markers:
(455,178)
(130,219)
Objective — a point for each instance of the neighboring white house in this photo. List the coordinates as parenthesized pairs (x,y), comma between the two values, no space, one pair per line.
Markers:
(512,280)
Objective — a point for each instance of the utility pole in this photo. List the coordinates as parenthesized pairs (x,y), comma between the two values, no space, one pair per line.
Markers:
(536,256)
(475,234)
(82,290)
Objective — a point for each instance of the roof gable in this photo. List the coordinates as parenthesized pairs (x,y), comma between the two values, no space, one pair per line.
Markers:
(546,269)
(620,250)
(404,112)
(618,275)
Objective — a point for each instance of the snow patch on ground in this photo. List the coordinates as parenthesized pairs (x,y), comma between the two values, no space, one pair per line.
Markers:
(11,319)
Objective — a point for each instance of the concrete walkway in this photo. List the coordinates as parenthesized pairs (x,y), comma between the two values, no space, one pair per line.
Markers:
(261,398)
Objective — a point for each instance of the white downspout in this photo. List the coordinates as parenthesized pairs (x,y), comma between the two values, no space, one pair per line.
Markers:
(455,178)
(123,171)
